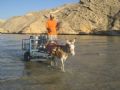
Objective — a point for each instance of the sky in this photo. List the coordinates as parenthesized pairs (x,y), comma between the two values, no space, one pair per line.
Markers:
(10,8)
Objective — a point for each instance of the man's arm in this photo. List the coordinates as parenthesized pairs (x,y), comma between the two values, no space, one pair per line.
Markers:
(48,28)
(58,26)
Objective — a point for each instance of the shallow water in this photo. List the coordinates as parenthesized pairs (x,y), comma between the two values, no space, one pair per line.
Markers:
(96,66)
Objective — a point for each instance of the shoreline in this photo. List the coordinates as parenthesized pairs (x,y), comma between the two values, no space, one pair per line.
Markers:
(65,34)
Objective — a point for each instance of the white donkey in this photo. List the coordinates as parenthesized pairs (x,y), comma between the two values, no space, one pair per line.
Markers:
(62,52)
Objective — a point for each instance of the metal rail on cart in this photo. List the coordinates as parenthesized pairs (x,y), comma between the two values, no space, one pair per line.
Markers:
(34,47)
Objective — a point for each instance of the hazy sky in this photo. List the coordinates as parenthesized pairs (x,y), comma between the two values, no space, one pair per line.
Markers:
(9,8)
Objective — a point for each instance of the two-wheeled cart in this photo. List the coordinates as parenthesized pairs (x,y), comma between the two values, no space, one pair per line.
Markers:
(34,48)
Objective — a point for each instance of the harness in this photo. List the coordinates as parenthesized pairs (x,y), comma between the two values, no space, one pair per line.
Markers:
(58,50)
(50,46)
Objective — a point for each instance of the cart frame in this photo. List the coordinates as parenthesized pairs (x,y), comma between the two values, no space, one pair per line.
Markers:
(34,48)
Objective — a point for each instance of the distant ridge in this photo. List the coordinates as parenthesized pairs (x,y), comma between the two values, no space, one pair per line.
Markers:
(1,20)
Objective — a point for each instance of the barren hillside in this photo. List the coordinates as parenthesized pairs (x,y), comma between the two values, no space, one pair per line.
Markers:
(85,17)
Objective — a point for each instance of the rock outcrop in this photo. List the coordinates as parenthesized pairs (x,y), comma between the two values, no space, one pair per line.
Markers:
(1,23)
(85,17)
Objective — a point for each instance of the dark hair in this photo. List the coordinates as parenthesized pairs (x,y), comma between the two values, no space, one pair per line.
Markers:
(51,16)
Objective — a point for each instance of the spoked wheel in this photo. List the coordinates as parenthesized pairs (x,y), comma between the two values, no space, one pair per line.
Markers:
(27,56)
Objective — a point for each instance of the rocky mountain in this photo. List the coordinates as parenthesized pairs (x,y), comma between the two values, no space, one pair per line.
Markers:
(85,17)
(1,23)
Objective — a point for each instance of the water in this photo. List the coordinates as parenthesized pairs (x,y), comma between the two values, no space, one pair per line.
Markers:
(96,66)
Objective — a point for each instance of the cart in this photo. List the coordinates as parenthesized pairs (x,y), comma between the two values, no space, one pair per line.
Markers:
(34,48)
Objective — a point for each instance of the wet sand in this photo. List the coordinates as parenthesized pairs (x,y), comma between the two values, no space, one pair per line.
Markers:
(96,66)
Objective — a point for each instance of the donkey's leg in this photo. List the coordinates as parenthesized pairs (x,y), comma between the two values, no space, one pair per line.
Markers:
(63,59)
(55,61)
(62,66)
(52,63)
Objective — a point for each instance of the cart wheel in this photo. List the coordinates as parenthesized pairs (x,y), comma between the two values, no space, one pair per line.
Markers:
(27,56)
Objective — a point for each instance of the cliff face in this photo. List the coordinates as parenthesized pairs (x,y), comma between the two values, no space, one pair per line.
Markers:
(29,23)
(1,23)
(86,17)
(104,15)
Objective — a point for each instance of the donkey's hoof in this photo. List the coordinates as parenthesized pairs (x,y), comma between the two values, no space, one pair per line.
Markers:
(49,66)
(63,71)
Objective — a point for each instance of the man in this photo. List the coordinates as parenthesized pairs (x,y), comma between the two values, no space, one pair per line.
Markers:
(51,26)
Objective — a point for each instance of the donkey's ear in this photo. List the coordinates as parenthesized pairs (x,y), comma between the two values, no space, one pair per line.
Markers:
(74,40)
(68,41)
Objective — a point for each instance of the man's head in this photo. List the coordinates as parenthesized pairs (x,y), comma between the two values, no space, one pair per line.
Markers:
(51,17)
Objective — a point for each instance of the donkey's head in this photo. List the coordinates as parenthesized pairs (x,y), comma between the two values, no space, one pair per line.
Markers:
(71,46)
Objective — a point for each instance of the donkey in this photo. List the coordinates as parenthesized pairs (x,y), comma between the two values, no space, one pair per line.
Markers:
(62,52)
